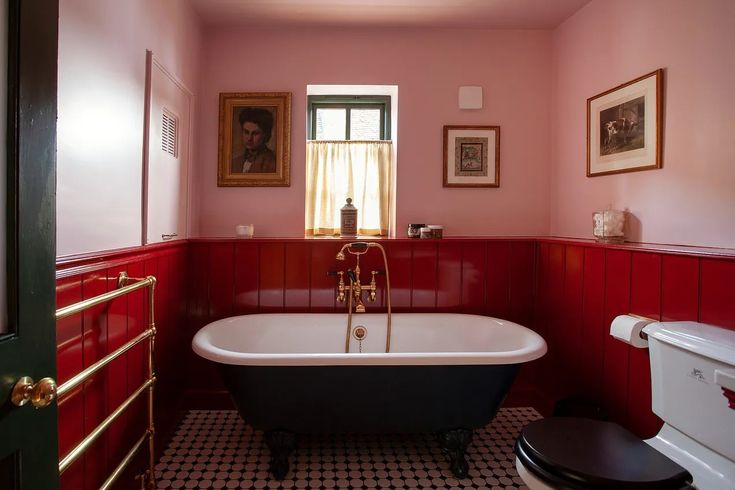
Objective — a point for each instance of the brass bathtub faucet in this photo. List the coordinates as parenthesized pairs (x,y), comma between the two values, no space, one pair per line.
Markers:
(356,288)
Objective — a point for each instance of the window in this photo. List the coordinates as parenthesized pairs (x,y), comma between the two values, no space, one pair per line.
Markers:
(349,154)
(349,117)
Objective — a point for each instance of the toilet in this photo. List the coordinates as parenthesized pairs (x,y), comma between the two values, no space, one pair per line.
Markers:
(693,391)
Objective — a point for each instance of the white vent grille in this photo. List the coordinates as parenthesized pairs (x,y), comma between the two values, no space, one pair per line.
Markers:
(169,133)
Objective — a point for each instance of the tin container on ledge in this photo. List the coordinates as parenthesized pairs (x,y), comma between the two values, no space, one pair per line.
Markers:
(414,230)
(348,220)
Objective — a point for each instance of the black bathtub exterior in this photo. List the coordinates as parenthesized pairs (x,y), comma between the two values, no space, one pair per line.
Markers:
(368,399)
(447,400)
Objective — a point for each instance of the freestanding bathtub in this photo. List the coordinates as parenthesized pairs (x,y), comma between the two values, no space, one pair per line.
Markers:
(446,373)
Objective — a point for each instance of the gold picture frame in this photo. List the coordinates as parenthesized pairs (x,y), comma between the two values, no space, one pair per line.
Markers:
(471,156)
(254,139)
(625,127)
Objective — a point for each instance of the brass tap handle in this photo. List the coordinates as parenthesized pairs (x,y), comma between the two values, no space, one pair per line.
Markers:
(372,287)
(341,287)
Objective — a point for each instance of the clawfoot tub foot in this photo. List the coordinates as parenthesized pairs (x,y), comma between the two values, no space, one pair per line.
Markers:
(454,444)
(281,444)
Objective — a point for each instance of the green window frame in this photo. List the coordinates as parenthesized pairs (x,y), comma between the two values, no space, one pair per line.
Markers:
(349,102)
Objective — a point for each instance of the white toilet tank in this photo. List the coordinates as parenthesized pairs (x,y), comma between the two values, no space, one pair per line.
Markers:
(685,358)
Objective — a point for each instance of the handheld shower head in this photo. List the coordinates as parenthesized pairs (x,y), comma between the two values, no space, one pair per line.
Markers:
(341,253)
(358,247)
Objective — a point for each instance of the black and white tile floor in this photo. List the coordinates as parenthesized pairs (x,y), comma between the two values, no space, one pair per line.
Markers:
(215,449)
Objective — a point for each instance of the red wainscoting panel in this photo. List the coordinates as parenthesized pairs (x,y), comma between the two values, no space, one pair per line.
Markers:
(679,288)
(497,279)
(198,282)
(473,277)
(117,372)
(645,300)
(617,302)
(676,285)
(221,297)
(399,265)
(272,271)
(594,330)
(449,277)
(550,275)
(297,277)
(138,355)
(246,278)
(94,348)
(68,363)
(717,292)
(571,327)
(85,338)
(424,274)
(324,286)
(522,273)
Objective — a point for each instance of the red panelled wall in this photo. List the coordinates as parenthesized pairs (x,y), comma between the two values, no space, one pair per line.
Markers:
(85,338)
(568,291)
(234,277)
(582,287)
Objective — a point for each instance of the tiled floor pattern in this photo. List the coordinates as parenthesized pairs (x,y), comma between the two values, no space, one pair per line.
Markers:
(215,449)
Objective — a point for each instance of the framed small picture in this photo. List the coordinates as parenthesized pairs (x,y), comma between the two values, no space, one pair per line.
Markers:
(471,156)
(254,139)
(624,127)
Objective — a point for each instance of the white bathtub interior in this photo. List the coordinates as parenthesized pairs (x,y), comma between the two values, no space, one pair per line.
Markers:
(320,338)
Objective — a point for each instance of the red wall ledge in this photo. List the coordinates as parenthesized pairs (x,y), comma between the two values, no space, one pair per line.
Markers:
(691,250)
(72,265)
(383,239)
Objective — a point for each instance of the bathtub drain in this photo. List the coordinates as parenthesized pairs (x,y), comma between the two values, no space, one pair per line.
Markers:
(359,332)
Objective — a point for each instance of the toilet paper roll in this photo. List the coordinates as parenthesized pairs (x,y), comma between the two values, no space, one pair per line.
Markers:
(628,329)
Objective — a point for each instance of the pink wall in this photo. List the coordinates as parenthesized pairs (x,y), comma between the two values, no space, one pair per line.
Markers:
(102,46)
(428,66)
(691,199)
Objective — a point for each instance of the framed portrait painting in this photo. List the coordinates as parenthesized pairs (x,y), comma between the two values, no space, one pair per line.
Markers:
(254,139)
(624,127)
(471,156)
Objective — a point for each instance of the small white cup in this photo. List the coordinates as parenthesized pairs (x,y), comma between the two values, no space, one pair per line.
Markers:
(244,231)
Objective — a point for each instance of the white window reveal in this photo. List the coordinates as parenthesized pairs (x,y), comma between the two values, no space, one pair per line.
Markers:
(350,154)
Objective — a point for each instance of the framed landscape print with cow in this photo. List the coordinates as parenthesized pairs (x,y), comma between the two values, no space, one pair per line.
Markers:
(624,127)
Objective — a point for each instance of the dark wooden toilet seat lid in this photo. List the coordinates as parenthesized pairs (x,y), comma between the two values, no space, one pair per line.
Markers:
(580,453)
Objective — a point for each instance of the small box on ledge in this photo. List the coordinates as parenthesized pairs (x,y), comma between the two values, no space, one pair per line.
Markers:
(609,226)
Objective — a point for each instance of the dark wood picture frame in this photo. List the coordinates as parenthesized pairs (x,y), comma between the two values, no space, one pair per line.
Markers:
(625,127)
(471,156)
(269,164)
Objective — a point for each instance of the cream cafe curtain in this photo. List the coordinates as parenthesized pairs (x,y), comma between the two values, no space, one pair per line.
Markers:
(336,170)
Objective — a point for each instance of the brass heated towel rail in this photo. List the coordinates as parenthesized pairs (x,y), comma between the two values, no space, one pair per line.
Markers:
(125,285)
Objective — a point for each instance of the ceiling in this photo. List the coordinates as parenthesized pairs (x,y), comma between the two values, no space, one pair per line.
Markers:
(475,14)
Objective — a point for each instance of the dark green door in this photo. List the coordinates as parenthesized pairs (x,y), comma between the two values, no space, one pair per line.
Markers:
(28,441)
